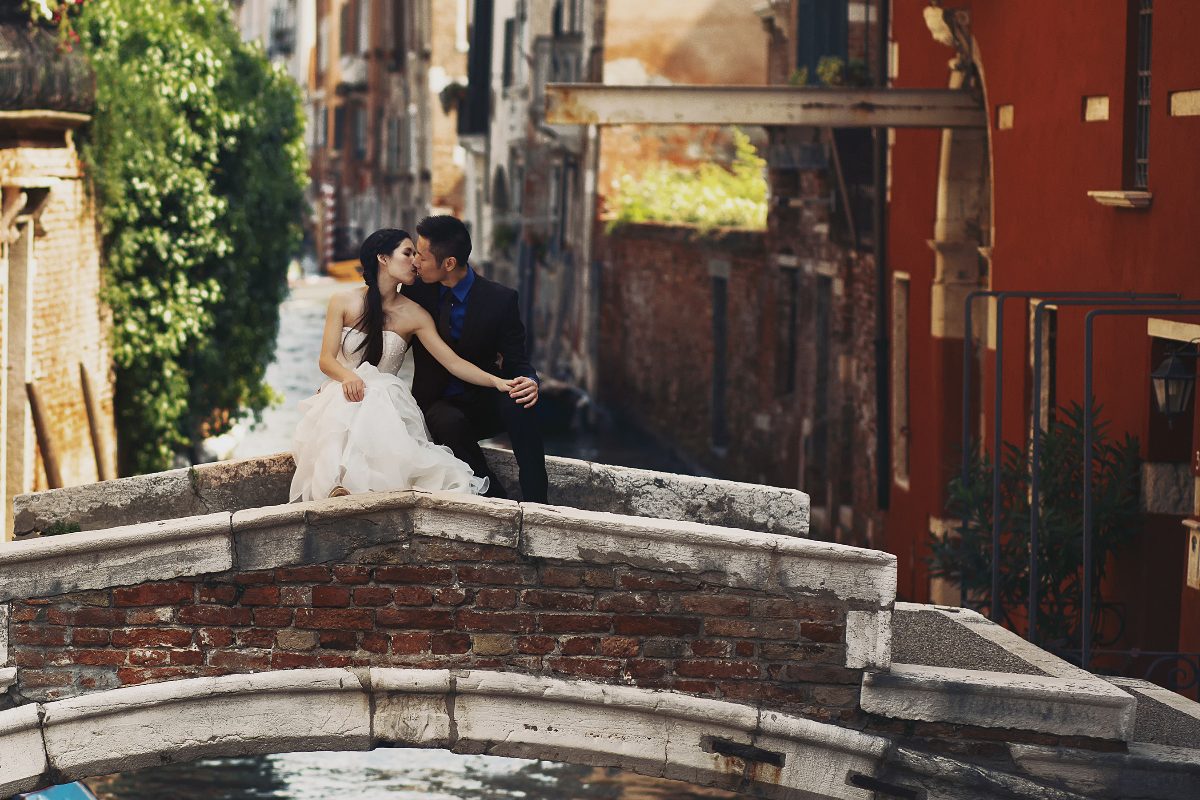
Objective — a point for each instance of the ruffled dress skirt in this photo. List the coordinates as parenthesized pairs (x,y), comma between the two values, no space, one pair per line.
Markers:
(379,444)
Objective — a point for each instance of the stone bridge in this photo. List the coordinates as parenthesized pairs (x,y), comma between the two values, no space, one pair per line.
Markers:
(668,625)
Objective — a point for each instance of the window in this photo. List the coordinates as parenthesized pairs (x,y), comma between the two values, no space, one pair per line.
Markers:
(517,195)
(322,125)
(462,27)
(720,328)
(360,132)
(399,40)
(822,29)
(1137,161)
(407,145)
(786,339)
(900,385)
(510,35)
(817,453)
(339,127)
(393,145)
(569,178)
(348,31)
(364,26)
(323,46)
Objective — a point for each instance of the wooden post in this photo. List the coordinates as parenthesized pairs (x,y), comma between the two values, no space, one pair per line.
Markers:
(49,454)
(104,467)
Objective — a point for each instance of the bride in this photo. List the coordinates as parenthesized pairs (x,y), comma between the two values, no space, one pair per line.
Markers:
(363,431)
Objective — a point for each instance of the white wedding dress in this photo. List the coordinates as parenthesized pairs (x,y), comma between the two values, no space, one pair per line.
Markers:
(379,444)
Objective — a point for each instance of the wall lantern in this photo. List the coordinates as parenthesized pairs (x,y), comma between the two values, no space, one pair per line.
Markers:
(1173,382)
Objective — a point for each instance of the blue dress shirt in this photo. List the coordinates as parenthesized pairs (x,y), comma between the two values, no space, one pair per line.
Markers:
(459,296)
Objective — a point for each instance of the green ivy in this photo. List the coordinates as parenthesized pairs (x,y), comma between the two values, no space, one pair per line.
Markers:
(708,197)
(967,556)
(197,159)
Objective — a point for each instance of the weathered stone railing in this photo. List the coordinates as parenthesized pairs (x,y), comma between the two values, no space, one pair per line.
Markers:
(414,579)
(259,482)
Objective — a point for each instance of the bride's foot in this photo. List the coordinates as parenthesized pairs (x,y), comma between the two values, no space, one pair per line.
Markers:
(339,491)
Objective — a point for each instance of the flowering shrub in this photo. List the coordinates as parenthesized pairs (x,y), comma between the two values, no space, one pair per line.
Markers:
(196,155)
(708,197)
(60,13)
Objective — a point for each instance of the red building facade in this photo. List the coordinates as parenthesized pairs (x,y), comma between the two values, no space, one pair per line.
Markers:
(1070,188)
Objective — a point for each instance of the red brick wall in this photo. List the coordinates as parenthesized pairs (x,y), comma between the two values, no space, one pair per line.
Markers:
(656,353)
(656,347)
(69,325)
(455,606)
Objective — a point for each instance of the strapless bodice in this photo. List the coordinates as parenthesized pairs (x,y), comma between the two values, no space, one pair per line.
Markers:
(394,348)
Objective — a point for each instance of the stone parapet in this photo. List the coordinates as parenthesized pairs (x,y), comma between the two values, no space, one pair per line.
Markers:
(259,482)
(970,671)
(1163,717)
(451,581)
(1090,708)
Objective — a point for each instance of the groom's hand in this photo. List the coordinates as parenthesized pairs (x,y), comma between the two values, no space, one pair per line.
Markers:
(524,391)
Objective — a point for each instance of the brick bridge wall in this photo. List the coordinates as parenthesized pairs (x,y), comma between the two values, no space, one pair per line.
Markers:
(535,631)
(430,602)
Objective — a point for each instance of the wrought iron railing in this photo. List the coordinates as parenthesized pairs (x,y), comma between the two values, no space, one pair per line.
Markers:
(1179,672)
(36,72)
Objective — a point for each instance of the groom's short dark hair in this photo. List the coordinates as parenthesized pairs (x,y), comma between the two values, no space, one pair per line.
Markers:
(447,236)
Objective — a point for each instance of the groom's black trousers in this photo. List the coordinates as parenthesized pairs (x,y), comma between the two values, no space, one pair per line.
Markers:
(461,421)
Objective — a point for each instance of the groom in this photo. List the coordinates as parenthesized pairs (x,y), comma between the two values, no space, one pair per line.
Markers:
(480,321)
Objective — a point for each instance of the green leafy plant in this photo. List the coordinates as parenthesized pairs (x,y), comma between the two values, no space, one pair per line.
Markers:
(197,160)
(966,557)
(708,197)
(833,71)
(503,237)
(57,13)
(451,95)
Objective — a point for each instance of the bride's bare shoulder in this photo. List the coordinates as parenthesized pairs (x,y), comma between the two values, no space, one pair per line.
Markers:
(350,303)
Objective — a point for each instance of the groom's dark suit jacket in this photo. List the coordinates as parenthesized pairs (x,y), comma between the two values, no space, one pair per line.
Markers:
(492,332)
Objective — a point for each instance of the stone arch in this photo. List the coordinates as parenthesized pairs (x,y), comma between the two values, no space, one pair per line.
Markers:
(500,191)
(665,734)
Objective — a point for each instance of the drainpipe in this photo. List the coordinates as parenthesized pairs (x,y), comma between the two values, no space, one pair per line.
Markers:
(883,417)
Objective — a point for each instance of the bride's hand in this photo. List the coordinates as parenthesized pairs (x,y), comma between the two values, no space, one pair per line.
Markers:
(502,385)
(354,389)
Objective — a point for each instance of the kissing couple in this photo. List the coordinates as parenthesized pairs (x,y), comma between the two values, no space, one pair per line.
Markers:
(365,430)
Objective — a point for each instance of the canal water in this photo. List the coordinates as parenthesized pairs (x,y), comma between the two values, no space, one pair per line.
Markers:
(388,774)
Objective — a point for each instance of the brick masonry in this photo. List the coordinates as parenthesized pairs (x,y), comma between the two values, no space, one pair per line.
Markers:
(69,325)
(445,605)
(800,396)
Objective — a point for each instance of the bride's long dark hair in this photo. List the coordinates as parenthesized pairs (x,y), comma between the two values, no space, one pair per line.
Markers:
(381,242)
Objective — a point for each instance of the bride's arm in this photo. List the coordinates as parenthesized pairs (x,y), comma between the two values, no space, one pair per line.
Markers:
(458,367)
(331,342)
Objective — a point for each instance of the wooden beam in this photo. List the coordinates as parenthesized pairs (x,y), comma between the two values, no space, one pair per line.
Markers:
(596,104)
(45,441)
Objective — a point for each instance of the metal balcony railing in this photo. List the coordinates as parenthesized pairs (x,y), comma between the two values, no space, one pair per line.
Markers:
(37,74)
(556,59)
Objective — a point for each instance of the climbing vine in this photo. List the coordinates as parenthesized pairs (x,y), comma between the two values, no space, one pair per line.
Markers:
(197,160)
